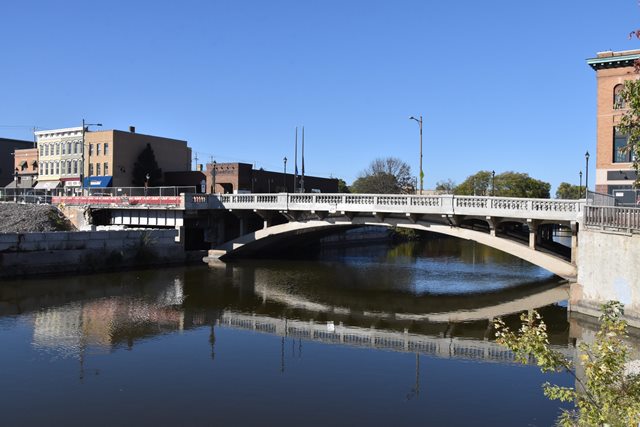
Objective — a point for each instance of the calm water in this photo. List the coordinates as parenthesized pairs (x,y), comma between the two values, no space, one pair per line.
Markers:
(375,336)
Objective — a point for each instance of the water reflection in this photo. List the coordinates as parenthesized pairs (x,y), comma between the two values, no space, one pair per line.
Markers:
(328,302)
(357,333)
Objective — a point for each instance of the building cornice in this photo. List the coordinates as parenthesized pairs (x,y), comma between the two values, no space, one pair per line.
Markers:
(613,61)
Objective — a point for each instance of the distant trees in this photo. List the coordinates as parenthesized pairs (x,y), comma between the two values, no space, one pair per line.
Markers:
(445,187)
(388,175)
(507,184)
(146,164)
(569,191)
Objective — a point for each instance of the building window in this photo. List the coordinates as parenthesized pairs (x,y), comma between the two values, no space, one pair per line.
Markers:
(76,148)
(91,149)
(75,167)
(106,149)
(46,168)
(57,149)
(64,167)
(41,169)
(63,148)
(42,150)
(97,149)
(620,152)
(98,169)
(68,147)
(57,168)
(46,150)
(618,101)
(90,169)
(106,168)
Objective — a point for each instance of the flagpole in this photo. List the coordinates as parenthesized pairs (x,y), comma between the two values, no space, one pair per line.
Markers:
(302,179)
(295,169)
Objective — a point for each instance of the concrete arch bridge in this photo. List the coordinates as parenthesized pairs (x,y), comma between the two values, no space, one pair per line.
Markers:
(521,227)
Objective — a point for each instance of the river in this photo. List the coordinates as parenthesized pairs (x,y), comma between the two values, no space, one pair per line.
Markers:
(372,336)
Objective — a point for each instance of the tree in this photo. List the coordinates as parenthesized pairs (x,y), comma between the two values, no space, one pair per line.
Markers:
(607,394)
(630,122)
(445,187)
(507,184)
(146,164)
(569,191)
(515,184)
(342,186)
(385,176)
(478,184)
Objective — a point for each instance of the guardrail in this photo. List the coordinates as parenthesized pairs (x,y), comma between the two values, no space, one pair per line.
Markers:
(613,218)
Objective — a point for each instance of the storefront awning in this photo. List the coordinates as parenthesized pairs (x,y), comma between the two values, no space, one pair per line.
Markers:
(97,181)
(47,185)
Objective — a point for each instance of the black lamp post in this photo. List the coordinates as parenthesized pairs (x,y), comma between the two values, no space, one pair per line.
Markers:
(284,176)
(15,181)
(213,172)
(586,176)
(421,172)
(146,183)
(493,183)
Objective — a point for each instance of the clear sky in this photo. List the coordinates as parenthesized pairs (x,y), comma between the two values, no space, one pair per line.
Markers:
(502,84)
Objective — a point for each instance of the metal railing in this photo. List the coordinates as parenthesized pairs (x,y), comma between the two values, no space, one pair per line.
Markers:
(25,195)
(600,199)
(139,191)
(613,218)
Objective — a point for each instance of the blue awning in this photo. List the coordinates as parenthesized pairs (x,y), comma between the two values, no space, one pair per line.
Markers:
(97,181)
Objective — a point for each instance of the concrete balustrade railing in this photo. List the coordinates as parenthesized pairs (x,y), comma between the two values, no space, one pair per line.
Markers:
(548,209)
(613,217)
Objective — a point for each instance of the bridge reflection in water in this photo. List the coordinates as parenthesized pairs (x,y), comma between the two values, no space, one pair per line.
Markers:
(120,309)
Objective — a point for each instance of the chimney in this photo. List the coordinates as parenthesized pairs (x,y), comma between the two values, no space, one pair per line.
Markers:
(132,129)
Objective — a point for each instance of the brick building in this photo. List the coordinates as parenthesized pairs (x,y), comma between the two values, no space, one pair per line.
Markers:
(7,159)
(26,168)
(614,167)
(241,178)
(105,158)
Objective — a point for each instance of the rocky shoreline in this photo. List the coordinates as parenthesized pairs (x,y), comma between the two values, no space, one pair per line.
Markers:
(32,218)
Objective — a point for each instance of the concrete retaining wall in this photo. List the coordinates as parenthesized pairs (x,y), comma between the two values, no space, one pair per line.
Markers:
(24,254)
(608,269)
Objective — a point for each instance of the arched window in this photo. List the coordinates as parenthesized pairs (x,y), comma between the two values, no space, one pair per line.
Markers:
(618,101)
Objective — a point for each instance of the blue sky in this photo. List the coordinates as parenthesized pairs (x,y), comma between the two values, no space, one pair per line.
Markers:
(501,84)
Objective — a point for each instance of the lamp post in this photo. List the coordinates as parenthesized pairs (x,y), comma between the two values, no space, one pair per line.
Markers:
(84,129)
(586,176)
(146,183)
(493,183)
(284,176)
(421,172)
(213,172)
(580,187)
(15,182)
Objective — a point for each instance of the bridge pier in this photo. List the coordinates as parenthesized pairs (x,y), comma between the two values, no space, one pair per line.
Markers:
(533,232)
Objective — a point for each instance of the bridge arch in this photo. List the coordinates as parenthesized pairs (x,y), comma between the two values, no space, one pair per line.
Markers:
(260,239)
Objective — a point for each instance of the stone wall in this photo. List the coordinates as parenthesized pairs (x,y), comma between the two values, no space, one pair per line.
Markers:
(608,269)
(23,254)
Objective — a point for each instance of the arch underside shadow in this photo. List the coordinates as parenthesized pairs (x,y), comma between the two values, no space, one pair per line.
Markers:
(261,239)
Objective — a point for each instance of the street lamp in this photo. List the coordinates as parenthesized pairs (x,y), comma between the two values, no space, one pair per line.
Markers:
(580,187)
(284,177)
(213,189)
(15,182)
(421,172)
(85,126)
(493,183)
(146,183)
(586,176)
